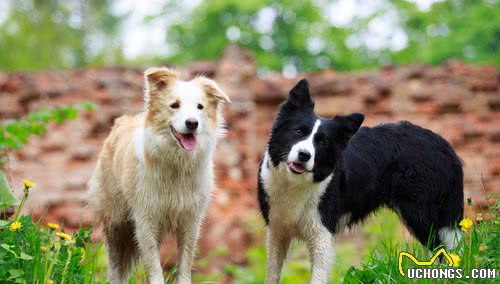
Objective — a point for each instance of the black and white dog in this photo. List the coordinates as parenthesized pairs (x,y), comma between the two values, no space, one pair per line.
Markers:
(319,175)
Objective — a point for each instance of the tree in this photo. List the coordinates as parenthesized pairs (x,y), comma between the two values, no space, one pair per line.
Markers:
(462,29)
(288,33)
(281,33)
(58,34)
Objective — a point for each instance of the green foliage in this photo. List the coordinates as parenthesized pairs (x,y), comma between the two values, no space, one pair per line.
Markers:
(58,34)
(7,198)
(62,34)
(34,254)
(15,133)
(480,248)
(203,35)
(462,29)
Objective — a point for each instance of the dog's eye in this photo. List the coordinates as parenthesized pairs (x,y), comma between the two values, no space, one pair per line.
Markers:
(322,140)
(200,106)
(299,131)
(175,105)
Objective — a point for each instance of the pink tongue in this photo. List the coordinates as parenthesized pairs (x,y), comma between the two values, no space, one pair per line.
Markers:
(188,141)
(297,167)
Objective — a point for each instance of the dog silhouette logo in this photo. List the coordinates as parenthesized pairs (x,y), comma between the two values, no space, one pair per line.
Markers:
(442,251)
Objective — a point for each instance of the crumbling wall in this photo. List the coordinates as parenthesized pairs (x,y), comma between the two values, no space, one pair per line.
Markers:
(458,101)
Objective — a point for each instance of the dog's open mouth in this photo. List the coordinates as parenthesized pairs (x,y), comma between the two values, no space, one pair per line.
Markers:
(186,140)
(296,168)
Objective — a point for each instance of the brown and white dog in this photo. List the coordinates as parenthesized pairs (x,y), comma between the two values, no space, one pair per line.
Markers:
(154,175)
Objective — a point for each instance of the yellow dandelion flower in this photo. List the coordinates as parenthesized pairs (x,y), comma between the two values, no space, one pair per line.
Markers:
(16,226)
(466,224)
(28,184)
(53,226)
(44,249)
(456,259)
(50,281)
(64,236)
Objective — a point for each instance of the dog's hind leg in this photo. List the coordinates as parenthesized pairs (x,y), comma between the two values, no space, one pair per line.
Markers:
(121,249)
(451,212)
(419,223)
(277,248)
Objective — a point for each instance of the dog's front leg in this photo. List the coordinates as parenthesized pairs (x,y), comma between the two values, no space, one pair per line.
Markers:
(277,248)
(320,246)
(187,236)
(146,235)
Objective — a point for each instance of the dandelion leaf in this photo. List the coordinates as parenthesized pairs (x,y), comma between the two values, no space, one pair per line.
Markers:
(25,256)
(7,198)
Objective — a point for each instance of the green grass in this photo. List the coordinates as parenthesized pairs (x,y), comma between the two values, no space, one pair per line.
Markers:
(480,248)
(43,253)
(35,253)
(383,238)
(383,226)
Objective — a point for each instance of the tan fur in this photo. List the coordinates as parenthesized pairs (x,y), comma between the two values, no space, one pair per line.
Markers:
(212,89)
(214,96)
(146,186)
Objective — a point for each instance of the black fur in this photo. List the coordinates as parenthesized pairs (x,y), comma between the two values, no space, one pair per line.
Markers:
(263,198)
(398,165)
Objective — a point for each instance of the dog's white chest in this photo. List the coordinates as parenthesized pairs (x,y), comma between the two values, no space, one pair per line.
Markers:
(174,184)
(175,190)
(293,199)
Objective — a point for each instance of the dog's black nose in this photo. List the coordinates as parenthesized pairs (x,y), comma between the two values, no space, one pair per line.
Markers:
(192,124)
(304,156)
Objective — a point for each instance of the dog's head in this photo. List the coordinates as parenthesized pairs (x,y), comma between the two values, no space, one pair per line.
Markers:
(184,112)
(305,142)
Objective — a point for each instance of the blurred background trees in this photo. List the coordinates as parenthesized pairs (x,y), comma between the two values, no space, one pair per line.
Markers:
(284,35)
(40,34)
(467,30)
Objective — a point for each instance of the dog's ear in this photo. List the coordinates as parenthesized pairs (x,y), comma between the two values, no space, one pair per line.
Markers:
(349,125)
(212,89)
(157,78)
(299,95)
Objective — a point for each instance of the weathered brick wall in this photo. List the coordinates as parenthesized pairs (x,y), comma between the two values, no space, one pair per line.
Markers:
(460,102)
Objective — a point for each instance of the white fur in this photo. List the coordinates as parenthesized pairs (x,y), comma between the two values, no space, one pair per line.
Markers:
(450,237)
(172,199)
(343,221)
(190,95)
(167,196)
(139,144)
(293,202)
(305,145)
